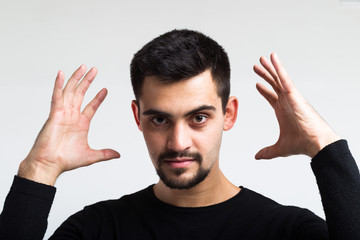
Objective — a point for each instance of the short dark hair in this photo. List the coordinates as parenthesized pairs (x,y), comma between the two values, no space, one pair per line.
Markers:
(179,55)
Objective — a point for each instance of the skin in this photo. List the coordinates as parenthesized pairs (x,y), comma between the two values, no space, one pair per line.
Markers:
(62,143)
(186,116)
(302,130)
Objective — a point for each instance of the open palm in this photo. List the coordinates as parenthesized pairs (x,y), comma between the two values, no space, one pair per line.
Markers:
(62,144)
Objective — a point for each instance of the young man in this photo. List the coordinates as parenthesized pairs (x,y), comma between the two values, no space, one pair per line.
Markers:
(181,82)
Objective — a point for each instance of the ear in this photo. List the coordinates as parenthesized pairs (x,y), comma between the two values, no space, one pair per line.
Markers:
(136,112)
(230,113)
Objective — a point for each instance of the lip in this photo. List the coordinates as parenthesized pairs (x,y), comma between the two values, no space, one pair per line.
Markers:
(179,162)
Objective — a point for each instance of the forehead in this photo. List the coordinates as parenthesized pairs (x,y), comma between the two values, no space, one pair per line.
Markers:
(179,96)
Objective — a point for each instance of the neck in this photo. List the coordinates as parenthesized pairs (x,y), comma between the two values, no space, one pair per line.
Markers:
(215,188)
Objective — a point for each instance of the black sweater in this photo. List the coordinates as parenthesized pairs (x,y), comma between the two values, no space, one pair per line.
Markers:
(248,215)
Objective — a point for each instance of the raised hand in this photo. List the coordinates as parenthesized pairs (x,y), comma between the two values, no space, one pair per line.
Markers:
(302,130)
(62,144)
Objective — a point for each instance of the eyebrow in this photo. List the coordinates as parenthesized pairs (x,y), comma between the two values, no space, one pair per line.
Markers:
(165,114)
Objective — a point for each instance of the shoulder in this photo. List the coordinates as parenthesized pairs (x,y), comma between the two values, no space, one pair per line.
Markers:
(133,200)
(118,210)
(268,208)
(104,218)
(254,199)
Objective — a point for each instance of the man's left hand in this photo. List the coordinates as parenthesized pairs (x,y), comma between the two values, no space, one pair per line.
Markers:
(302,130)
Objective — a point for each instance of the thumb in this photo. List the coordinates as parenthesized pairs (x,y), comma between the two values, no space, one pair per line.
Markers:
(267,153)
(103,155)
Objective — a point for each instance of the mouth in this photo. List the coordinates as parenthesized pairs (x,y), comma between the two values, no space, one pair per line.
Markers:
(179,162)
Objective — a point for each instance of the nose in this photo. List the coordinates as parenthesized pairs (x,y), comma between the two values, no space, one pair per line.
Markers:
(179,138)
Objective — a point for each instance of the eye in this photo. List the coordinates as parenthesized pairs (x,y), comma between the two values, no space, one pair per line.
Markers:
(198,119)
(159,120)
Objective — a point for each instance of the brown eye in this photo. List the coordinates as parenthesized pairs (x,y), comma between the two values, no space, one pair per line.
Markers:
(159,120)
(200,119)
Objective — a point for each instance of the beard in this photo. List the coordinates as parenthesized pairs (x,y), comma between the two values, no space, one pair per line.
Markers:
(175,183)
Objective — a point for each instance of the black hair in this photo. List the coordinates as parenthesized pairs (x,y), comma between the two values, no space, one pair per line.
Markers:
(179,55)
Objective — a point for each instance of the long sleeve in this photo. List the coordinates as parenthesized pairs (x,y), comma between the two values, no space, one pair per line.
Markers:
(338,179)
(28,204)
(26,210)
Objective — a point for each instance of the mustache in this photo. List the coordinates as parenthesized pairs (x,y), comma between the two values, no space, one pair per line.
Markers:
(173,154)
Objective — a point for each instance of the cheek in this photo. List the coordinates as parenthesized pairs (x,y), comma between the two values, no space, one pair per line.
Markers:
(208,143)
(154,143)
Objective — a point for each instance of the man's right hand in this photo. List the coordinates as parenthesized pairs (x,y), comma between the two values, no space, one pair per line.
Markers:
(62,144)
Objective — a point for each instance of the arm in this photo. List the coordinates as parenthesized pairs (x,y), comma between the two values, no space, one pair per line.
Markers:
(26,210)
(60,146)
(303,131)
(338,180)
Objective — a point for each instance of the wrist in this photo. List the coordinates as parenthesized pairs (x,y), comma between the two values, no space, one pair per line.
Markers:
(321,143)
(38,172)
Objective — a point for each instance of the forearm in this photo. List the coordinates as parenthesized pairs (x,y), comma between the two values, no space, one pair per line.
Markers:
(338,179)
(26,210)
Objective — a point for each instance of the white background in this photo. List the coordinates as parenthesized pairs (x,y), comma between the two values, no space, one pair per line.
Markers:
(317,40)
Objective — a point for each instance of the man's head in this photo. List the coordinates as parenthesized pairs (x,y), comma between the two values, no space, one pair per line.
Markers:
(181,84)
(178,55)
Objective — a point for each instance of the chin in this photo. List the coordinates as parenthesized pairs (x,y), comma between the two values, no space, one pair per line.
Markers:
(178,182)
